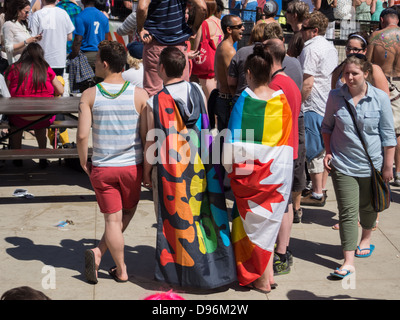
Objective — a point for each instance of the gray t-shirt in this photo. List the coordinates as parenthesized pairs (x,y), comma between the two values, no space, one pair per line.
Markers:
(236,69)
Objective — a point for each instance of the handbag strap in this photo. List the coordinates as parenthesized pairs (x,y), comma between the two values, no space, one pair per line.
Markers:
(358,132)
(205,30)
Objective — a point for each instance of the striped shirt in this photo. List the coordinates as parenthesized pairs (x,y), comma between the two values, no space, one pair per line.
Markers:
(166,21)
(115,129)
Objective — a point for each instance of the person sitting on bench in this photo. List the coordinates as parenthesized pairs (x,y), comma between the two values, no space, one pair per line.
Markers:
(31,76)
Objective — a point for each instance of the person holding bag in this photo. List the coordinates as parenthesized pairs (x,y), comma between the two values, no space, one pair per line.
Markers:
(347,160)
(206,42)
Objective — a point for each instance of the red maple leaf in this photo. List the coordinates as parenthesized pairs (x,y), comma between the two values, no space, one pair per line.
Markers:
(248,187)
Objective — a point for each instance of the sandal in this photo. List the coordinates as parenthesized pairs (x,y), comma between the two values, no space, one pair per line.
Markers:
(348,271)
(113,273)
(90,267)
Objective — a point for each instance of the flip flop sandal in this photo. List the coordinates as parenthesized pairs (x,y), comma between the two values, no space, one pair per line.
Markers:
(253,287)
(371,249)
(341,276)
(90,267)
(113,273)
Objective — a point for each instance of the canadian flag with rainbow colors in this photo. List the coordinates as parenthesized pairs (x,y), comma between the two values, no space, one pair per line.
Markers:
(261,171)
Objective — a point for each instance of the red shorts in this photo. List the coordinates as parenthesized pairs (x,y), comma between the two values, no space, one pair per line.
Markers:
(117,188)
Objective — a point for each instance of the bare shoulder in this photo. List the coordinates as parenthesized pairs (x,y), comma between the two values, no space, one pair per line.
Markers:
(225,51)
(88,97)
(141,98)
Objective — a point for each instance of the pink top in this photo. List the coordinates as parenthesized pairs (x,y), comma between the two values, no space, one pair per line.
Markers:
(21,120)
(28,90)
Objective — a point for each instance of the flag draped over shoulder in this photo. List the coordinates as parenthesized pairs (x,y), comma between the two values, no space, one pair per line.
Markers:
(261,178)
(194,247)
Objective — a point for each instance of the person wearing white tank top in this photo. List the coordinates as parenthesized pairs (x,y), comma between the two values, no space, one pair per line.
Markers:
(115,110)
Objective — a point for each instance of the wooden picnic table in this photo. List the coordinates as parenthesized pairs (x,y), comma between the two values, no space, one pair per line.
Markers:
(48,107)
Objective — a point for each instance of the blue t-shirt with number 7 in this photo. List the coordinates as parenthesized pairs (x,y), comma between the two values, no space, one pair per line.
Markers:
(93,26)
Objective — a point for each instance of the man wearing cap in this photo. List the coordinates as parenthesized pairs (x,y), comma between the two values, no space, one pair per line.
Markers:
(269,12)
(384,50)
(318,59)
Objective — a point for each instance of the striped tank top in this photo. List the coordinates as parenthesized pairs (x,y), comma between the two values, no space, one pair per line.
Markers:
(115,128)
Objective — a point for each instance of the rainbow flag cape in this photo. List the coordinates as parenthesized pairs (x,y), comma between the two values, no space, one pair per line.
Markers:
(194,247)
(261,176)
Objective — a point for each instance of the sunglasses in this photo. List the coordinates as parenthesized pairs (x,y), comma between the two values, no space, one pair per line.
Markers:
(354,49)
(358,56)
(239,26)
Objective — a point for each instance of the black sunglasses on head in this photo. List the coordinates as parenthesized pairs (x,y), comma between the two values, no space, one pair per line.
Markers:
(239,26)
(358,56)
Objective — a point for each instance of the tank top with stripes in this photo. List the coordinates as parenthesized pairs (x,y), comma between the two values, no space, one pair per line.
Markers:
(115,128)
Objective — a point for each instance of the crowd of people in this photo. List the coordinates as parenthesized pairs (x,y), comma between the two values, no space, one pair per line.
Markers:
(152,108)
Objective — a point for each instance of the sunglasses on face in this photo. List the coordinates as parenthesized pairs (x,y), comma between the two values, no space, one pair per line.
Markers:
(353,49)
(239,26)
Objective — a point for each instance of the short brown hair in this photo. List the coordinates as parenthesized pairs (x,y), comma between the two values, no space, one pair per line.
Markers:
(114,54)
(276,49)
(174,61)
(300,8)
(318,20)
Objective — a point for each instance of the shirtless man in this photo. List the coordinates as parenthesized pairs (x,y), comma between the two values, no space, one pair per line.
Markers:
(384,50)
(232,28)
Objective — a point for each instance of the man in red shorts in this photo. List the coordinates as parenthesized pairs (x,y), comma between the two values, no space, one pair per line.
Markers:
(116,112)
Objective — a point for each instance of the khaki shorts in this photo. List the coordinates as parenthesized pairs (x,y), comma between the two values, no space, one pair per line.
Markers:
(394,87)
(316,165)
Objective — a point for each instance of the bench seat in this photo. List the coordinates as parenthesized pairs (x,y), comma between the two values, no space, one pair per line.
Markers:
(13,154)
(55,124)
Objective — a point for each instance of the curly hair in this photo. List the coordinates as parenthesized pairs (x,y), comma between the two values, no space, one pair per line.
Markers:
(114,54)
(318,20)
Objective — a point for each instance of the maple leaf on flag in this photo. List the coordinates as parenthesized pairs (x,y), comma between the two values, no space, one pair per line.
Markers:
(253,188)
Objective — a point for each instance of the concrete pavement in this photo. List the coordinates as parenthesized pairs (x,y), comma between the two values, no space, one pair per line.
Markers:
(34,252)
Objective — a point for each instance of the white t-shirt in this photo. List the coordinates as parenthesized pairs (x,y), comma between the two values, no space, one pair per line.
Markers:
(318,59)
(134,76)
(55,24)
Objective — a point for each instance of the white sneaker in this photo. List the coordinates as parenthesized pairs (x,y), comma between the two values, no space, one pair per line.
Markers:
(396,181)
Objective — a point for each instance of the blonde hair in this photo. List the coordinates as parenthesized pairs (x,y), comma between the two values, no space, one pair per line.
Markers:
(133,62)
(257,33)
(273,31)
